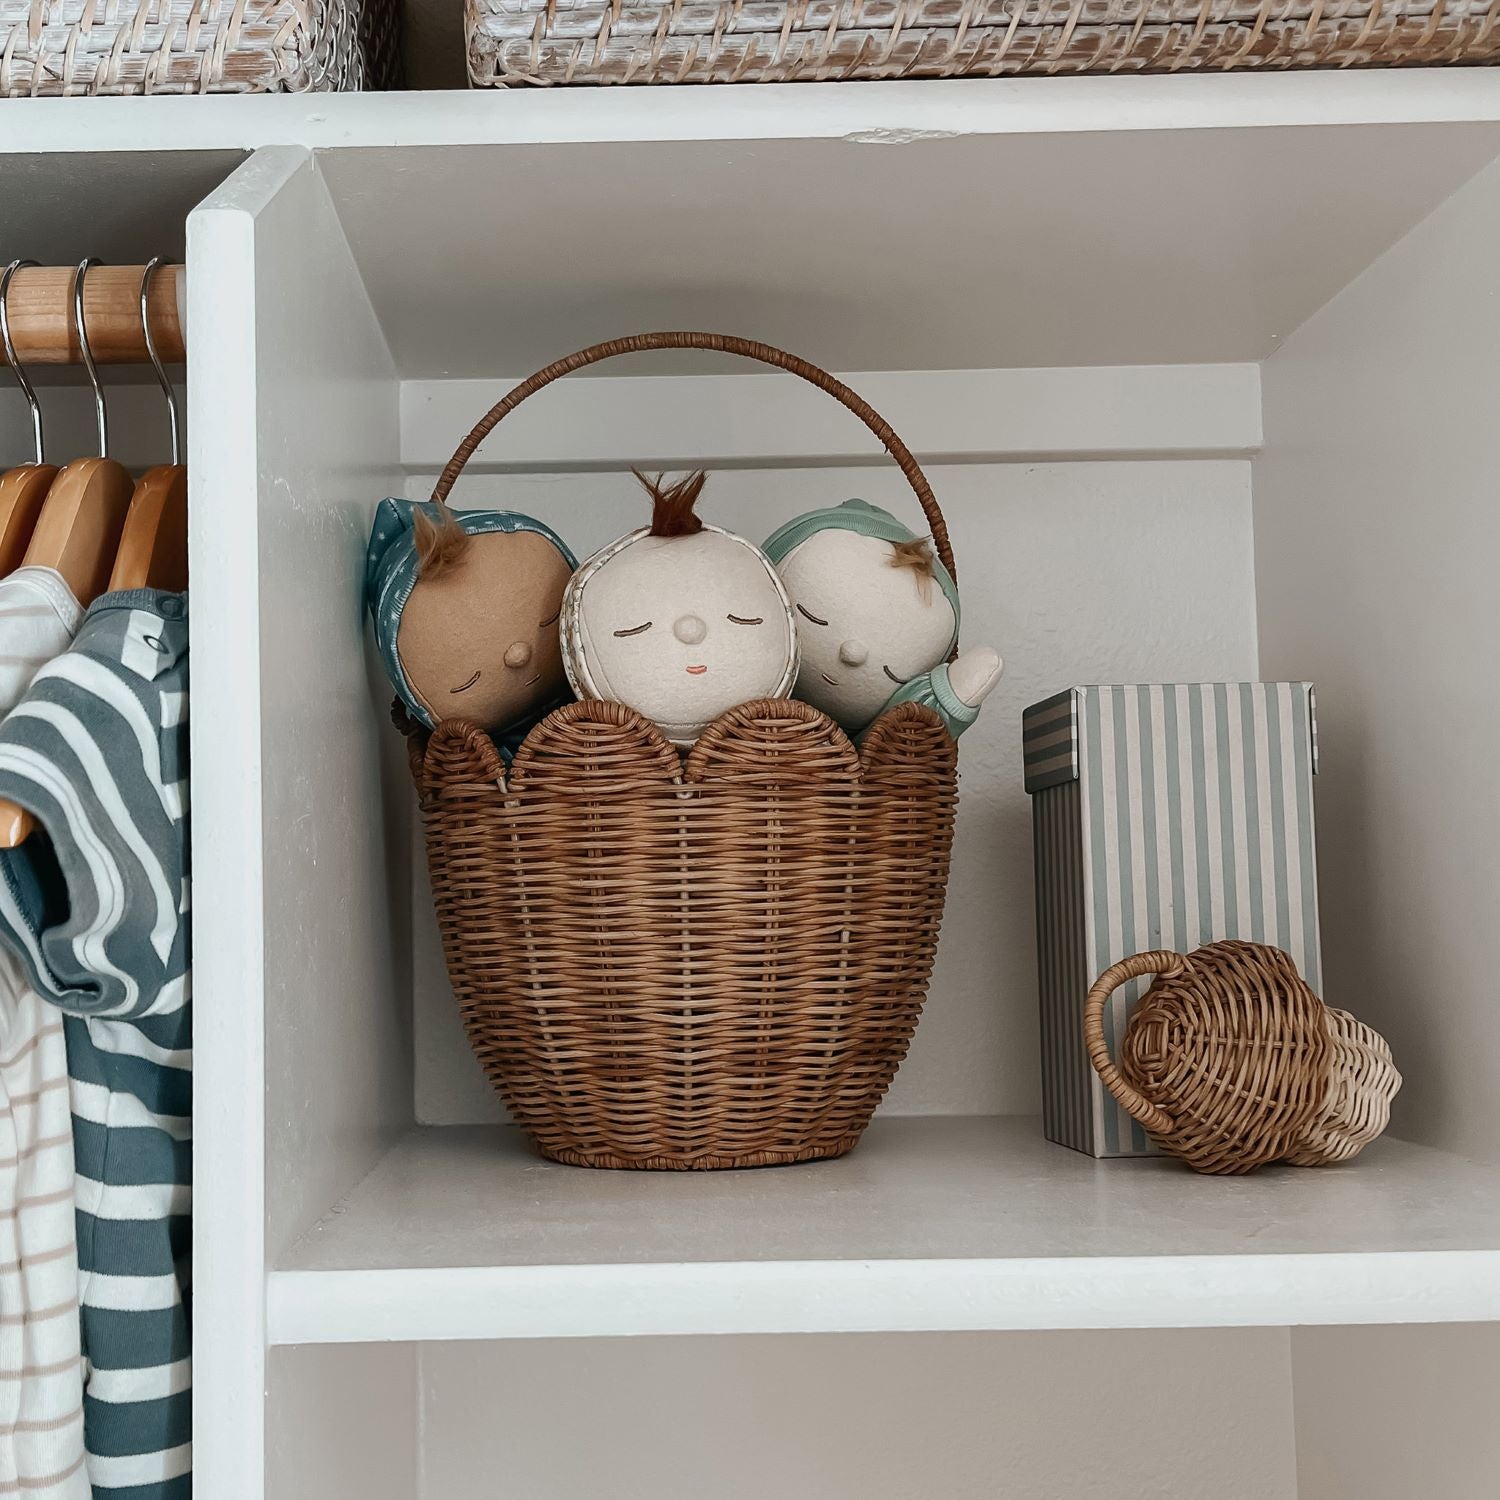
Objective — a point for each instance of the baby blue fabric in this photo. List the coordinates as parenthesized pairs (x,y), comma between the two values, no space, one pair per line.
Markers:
(391,575)
(935,691)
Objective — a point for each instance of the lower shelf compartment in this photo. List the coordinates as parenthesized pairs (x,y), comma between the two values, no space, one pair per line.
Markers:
(930,1224)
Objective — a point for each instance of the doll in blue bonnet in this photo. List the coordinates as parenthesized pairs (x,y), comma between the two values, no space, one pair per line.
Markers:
(465,606)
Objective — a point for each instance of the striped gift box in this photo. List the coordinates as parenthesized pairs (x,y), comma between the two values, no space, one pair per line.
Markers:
(1163,816)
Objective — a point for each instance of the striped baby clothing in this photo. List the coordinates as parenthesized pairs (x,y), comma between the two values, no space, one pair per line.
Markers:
(41,1379)
(41,1376)
(97,909)
(38,616)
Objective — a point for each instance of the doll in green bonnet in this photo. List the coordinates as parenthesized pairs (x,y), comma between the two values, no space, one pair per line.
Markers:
(877,615)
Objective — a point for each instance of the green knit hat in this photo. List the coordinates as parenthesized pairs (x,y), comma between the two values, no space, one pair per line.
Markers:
(867,520)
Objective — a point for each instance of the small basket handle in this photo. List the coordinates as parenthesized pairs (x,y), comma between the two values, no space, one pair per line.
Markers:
(722,343)
(1159,961)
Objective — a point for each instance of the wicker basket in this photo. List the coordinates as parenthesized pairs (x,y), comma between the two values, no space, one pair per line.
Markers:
(688,961)
(1230,1061)
(197,46)
(789,41)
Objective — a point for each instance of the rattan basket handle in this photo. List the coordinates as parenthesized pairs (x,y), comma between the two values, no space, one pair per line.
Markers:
(722,343)
(1160,961)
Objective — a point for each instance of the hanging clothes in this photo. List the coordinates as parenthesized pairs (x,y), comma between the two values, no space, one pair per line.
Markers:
(38,619)
(96,907)
(41,1374)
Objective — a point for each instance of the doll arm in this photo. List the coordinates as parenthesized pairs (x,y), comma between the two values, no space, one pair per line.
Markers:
(974,674)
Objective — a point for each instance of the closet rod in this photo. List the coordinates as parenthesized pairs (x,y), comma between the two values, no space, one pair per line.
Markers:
(41,315)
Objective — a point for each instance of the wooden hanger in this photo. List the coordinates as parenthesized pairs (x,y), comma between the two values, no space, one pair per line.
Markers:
(78,530)
(153,547)
(23,489)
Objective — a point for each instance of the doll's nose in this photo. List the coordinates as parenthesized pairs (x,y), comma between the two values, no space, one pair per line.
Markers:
(854,653)
(518,653)
(689,629)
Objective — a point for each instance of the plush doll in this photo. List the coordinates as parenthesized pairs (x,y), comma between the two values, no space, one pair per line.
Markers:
(680,620)
(877,614)
(466,605)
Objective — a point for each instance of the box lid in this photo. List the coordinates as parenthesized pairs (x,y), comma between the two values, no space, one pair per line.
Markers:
(1051,730)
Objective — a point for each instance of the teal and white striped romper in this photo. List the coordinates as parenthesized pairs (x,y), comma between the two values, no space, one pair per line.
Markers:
(96,908)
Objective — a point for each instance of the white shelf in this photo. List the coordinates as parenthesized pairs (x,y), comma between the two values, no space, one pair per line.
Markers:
(931,1224)
(889,113)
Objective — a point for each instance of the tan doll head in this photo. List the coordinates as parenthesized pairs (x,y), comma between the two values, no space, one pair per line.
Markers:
(466,607)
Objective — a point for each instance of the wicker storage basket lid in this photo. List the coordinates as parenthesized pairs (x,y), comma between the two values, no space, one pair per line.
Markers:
(1230,1061)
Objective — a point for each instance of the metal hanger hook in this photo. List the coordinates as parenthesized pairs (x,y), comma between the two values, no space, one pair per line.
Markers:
(17,369)
(156,363)
(100,409)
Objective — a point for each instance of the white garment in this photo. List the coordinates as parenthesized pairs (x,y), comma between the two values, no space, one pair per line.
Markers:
(41,1371)
(38,619)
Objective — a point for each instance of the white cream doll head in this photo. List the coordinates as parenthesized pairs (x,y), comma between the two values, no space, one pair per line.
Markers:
(680,620)
(875,608)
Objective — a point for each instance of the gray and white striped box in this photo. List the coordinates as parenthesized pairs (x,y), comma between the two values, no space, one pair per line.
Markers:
(1164,816)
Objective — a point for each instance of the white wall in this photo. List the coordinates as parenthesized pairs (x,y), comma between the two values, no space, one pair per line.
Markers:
(1377,524)
(1077,572)
(1404,1413)
(1058,1416)
(342,1422)
(1377,529)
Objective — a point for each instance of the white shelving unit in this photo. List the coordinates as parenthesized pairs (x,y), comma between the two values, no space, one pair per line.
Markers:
(1182,353)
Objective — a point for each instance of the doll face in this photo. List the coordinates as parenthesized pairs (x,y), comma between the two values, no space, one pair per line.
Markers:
(480,641)
(864,627)
(683,628)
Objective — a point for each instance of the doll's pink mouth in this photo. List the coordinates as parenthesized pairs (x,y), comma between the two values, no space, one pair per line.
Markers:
(829,680)
(697,671)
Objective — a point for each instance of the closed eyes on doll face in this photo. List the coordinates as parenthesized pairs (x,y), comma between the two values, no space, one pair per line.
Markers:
(553,621)
(736,620)
(899,681)
(808,615)
(464,688)
(635,629)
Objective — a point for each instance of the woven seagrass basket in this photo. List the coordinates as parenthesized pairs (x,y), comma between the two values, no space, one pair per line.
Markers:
(1230,1061)
(519,42)
(197,46)
(710,959)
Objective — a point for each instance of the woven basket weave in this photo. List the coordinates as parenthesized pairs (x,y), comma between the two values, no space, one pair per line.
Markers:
(50,47)
(1230,1061)
(788,41)
(690,961)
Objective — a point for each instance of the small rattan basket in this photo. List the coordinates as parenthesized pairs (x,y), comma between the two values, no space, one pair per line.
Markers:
(1230,1061)
(691,961)
(52,47)
(520,42)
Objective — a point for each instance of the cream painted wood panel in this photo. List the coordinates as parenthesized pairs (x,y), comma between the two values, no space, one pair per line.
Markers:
(301,1072)
(1397,1413)
(1148,1416)
(1377,529)
(887,249)
(342,1424)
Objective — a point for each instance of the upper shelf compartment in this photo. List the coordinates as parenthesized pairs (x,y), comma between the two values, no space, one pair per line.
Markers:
(887,251)
(1098,221)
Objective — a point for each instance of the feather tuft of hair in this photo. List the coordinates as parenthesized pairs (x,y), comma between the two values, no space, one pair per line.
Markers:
(672,504)
(440,543)
(916,555)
